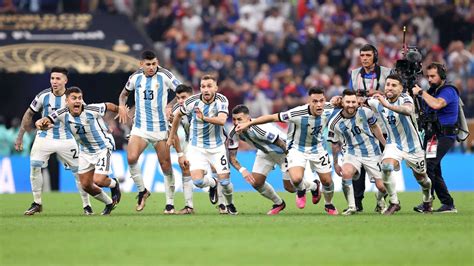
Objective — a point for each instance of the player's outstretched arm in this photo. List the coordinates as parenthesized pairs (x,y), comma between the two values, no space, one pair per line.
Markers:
(112,107)
(257,121)
(26,120)
(405,109)
(235,163)
(122,109)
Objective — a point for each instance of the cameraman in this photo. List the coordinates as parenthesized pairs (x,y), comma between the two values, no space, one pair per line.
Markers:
(366,81)
(440,106)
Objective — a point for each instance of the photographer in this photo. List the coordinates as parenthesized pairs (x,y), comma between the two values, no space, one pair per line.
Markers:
(440,106)
(366,81)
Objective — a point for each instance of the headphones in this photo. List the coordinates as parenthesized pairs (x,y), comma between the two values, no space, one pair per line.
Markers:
(441,69)
(373,49)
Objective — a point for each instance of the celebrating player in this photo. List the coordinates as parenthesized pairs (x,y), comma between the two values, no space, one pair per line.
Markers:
(86,124)
(151,85)
(209,111)
(304,145)
(403,142)
(271,146)
(356,127)
(54,140)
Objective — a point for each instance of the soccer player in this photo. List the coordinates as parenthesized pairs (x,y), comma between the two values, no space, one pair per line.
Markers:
(183,92)
(271,145)
(151,85)
(85,122)
(305,144)
(54,140)
(403,142)
(209,111)
(356,127)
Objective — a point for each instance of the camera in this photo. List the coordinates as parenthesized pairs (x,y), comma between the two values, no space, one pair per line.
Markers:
(410,68)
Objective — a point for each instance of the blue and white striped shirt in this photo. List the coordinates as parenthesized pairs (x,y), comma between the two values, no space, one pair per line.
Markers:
(89,128)
(355,133)
(262,137)
(203,134)
(401,129)
(46,102)
(151,97)
(306,130)
(185,121)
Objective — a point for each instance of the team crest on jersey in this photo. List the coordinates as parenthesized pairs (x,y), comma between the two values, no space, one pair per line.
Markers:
(270,136)
(157,86)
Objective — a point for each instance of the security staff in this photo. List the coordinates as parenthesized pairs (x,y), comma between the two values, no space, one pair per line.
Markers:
(441,107)
(366,81)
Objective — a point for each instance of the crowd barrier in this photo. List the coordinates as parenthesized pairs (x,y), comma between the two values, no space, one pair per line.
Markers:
(14,174)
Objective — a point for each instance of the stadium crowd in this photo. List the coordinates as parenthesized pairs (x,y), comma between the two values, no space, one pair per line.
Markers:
(266,53)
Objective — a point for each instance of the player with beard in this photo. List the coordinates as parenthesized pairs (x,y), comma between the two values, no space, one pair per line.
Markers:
(356,127)
(85,122)
(305,144)
(441,103)
(209,111)
(54,140)
(403,143)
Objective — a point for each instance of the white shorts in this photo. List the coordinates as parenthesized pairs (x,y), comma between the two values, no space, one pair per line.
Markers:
(150,136)
(319,162)
(265,163)
(200,158)
(371,164)
(66,149)
(100,161)
(416,161)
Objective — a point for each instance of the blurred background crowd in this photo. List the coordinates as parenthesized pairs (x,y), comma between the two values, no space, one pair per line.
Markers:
(266,53)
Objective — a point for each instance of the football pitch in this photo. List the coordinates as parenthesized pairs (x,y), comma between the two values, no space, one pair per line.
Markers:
(61,235)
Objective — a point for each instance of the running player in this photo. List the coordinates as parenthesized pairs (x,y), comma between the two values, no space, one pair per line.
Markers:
(305,144)
(356,127)
(151,85)
(86,124)
(271,145)
(209,111)
(55,140)
(403,143)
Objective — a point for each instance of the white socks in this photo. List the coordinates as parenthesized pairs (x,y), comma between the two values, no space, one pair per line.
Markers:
(169,188)
(113,183)
(188,191)
(328,192)
(227,189)
(103,197)
(390,185)
(425,188)
(309,185)
(348,190)
(269,192)
(36,179)
(136,175)
(84,195)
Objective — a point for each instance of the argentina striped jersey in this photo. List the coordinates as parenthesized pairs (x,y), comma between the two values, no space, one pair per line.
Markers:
(46,103)
(151,96)
(306,130)
(401,129)
(185,121)
(204,134)
(89,128)
(355,133)
(262,137)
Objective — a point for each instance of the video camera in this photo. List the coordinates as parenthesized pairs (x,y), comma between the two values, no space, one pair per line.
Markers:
(410,68)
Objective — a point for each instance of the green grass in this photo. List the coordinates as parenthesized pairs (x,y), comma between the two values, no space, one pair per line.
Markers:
(61,235)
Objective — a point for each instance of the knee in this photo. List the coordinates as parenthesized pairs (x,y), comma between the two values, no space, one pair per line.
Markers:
(198,182)
(347,182)
(132,158)
(166,167)
(387,167)
(224,182)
